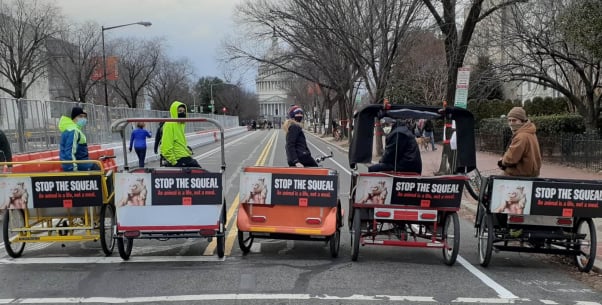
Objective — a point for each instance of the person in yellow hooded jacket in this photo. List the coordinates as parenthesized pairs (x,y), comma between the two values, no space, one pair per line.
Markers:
(74,145)
(174,147)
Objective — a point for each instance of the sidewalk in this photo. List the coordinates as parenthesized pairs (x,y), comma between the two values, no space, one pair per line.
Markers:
(487,165)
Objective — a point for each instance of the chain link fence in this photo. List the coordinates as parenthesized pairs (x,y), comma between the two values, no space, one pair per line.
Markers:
(32,125)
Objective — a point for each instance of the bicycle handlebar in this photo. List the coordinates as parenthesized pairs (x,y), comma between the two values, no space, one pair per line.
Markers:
(322,158)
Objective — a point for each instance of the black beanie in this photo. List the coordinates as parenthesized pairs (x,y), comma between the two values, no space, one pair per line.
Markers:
(77,111)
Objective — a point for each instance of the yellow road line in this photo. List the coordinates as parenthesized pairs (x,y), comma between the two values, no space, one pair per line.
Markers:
(233,232)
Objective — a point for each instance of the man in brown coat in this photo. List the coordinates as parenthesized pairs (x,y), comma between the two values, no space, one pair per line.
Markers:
(522,158)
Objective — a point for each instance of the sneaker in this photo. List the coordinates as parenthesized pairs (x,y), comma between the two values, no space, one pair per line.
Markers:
(434,148)
(516,233)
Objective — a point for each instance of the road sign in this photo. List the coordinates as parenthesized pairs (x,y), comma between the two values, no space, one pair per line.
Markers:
(461,97)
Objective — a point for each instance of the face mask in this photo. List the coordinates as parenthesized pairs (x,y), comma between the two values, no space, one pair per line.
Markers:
(81,122)
(298,118)
(387,129)
(514,127)
(181,115)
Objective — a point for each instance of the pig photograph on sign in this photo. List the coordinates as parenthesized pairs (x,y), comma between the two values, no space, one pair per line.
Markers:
(133,190)
(255,188)
(17,194)
(374,190)
(511,196)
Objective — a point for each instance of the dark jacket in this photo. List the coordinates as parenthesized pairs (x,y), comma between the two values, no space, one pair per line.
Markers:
(401,142)
(296,145)
(158,136)
(6,155)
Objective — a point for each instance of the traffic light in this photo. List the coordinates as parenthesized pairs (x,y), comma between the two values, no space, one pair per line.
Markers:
(210,108)
(224,110)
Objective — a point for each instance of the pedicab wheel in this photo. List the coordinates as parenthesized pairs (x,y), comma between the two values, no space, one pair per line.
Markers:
(125,245)
(355,236)
(245,241)
(335,240)
(586,246)
(107,223)
(221,235)
(485,244)
(13,219)
(451,238)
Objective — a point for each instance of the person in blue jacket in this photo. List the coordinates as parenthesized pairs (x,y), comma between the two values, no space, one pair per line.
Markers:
(74,145)
(138,140)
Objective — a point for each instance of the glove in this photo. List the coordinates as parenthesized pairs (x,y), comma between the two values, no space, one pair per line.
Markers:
(298,164)
(501,165)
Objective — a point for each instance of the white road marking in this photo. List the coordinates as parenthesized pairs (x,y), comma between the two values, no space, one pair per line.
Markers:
(549,302)
(502,292)
(107,260)
(216,297)
(343,168)
(490,300)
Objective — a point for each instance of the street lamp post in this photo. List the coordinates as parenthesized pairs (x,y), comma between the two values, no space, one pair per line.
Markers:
(104,57)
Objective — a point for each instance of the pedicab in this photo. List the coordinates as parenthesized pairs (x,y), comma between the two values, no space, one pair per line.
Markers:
(45,205)
(165,203)
(290,203)
(538,215)
(406,209)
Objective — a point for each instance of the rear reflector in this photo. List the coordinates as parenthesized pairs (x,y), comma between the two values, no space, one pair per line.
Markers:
(429,216)
(516,219)
(313,221)
(383,214)
(564,221)
(131,234)
(258,218)
(207,232)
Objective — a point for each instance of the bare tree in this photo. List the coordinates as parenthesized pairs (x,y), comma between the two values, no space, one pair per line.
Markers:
(138,60)
(420,76)
(332,43)
(75,57)
(171,81)
(25,27)
(538,51)
(236,101)
(457,42)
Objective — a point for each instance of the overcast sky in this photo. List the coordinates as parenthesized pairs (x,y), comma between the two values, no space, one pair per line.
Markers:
(192,28)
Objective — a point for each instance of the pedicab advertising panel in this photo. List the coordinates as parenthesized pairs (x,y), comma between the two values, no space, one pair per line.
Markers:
(550,198)
(167,199)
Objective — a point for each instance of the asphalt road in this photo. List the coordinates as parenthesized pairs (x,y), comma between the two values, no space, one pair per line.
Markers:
(281,271)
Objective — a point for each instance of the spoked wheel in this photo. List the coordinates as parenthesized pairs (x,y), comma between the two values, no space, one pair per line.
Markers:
(485,244)
(245,241)
(125,245)
(221,238)
(356,234)
(107,223)
(13,219)
(451,238)
(587,246)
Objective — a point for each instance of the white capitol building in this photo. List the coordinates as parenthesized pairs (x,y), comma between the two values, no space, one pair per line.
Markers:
(272,87)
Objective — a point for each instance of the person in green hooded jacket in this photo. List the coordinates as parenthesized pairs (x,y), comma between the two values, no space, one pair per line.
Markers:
(174,147)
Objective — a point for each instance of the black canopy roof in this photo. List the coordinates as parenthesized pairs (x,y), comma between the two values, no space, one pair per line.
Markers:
(360,150)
